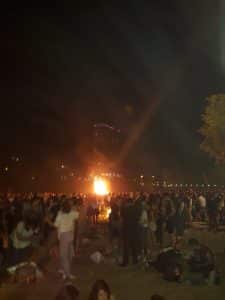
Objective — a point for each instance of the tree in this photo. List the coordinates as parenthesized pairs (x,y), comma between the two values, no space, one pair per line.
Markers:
(213,128)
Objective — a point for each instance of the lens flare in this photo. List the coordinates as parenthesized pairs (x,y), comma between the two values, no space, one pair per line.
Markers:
(100,187)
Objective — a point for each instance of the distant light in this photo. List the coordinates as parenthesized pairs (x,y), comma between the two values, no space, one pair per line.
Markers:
(142,176)
(6,169)
(62,166)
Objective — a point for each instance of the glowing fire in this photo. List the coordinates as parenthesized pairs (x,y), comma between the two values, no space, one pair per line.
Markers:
(100,187)
(104,214)
(108,212)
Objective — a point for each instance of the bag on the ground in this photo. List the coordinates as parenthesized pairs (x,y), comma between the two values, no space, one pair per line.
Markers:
(168,258)
(97,257)
(25,273)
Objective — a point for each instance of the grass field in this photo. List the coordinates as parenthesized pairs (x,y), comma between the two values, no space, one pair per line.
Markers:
(126,283)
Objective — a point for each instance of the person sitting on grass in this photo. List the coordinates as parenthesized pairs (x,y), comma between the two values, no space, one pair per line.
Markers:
(201,258)
(21,238)
(202,261)
(170,262)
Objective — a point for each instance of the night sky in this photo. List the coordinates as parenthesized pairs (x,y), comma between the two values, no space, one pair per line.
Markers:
(145,68)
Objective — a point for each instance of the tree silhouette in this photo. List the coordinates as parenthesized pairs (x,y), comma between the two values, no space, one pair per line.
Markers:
(213,128)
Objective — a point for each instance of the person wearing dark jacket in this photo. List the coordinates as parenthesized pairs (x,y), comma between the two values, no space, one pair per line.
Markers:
(130,232)
(202,259)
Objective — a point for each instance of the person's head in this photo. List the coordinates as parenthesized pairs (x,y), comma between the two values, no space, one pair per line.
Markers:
(100,291)
(179,245)
(129,201)
(29,223)
(157,297)
(68,292)
(66,206)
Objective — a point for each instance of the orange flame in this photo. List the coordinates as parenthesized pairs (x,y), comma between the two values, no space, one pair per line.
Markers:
(100,187)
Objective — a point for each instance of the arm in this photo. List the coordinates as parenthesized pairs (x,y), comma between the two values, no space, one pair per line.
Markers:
(49,222)
(54,224)
(23,238)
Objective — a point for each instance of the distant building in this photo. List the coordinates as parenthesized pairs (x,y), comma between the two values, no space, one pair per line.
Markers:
(106,145)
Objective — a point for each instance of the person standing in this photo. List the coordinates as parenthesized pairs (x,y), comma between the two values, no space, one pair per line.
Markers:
(179,221)
(202,207)
(114,227)
(65,225)
(170,225)
(213,212)
(80,224)
(130,231)
(144,222)
(160,224)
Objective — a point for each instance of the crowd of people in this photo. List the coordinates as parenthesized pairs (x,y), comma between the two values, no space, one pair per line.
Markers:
(137,223)
(146,217)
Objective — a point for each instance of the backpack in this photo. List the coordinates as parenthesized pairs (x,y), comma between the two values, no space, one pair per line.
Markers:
(168,258)
(25,274)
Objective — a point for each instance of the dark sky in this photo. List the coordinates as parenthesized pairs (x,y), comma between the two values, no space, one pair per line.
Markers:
(145,68)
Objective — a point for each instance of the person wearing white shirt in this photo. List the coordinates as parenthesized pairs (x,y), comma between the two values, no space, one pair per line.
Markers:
(202,201)
(202,204)
(65,224)
(144,222)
